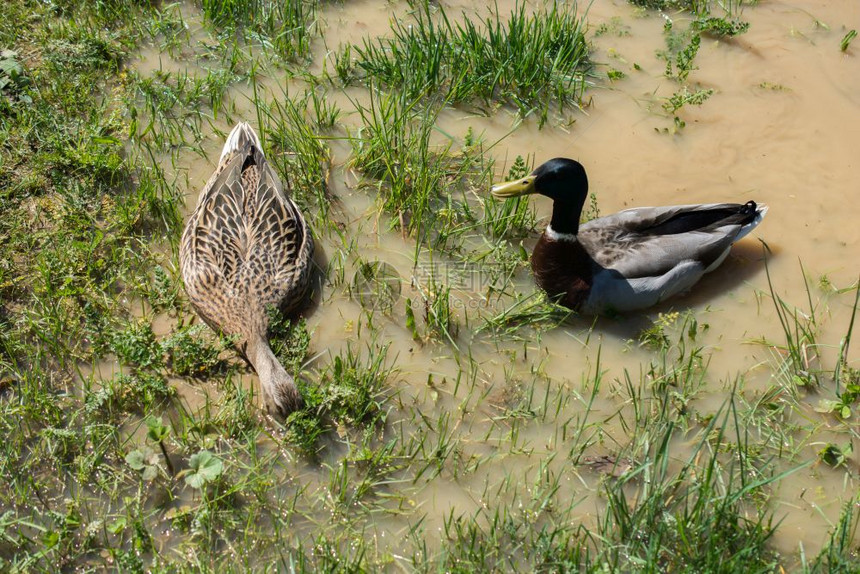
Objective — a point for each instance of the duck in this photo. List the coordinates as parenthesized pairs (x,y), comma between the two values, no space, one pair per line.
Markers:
(247,247)
(630,260)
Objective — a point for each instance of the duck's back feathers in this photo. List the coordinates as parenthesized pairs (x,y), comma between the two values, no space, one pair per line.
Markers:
(650,241)
(241,138)
(246,238)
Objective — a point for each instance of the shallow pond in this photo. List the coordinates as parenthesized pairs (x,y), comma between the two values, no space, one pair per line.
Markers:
(782,127)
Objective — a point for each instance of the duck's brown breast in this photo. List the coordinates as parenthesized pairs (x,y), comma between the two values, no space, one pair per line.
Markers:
(563,269)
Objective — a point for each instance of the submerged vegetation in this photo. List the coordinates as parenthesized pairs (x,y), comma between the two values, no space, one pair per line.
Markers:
(711,19)
(435,435)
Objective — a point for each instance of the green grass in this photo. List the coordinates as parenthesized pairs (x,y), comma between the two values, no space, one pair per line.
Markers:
(529,59)
(847,39)
(299,153)
(513,218)
(700,8)
(798,360)
(682,46)
(286,27)
(675,513)
(433,186)
(423,184)
(839,555)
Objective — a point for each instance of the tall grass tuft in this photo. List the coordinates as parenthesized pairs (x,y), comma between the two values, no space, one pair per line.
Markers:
(299,153)
(531,60)
(798,359)
(663,516)
(513,218)
(421,181)
(840,553)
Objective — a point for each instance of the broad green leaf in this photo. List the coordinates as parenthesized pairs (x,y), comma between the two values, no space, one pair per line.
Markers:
(135,459)
(150,472)
(828,406)
(157,431)
(205,467)
(143,459)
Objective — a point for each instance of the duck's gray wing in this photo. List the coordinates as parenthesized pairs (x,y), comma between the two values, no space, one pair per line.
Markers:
(648,242)
(611,290)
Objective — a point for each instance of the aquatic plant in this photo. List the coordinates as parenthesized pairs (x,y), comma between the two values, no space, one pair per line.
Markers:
(846,39)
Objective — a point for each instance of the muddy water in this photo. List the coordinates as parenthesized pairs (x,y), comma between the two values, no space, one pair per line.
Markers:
(782,128)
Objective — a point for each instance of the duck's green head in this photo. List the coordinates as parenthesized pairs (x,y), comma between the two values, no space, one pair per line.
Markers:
(561,179)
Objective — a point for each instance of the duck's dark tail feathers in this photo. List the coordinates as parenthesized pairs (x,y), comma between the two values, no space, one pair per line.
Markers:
(754,213)
(705,218)
(242,136)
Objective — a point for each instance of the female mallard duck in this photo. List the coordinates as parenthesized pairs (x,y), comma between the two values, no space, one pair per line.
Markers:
(632,259)
(245,247)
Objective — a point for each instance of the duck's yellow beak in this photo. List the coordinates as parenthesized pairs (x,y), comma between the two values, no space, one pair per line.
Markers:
(522,186)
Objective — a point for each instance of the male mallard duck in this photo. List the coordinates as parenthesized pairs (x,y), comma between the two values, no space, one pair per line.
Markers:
(632,259)
(245,247)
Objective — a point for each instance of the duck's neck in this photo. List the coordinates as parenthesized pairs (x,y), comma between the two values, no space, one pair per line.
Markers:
(565,217)
(278,386)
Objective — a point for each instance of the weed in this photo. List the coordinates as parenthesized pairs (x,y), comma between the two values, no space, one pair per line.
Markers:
(720,26)
(800,330)
(846,40)
(188,354)
(157,432)
(438,315)
(204,468)
(684,60)
(680,99)
(614,74)
(136,345)
(699,8)
(139,392)
(145,461)
(354,388)
(533,310)
(347,394)
(83,53)
(682,50)
(615,27)
(376,285)
(163,294)
(799,361)
(13,80)
(287,26)
(290,340)
(674,513)
(298,153)
(420,184)
(838,555)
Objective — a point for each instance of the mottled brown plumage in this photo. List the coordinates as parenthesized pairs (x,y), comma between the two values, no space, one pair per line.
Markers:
(247,247)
